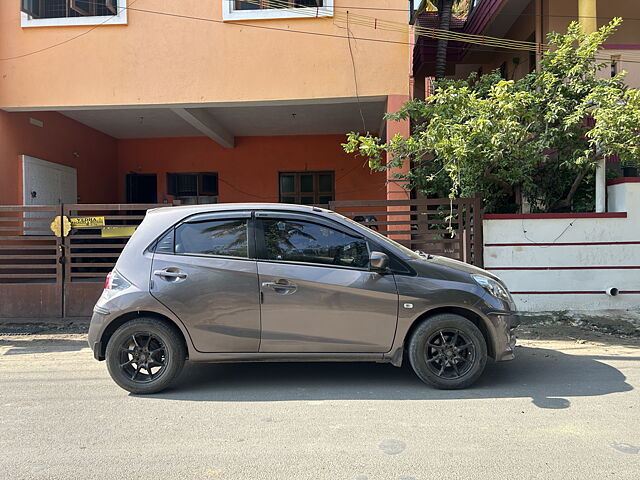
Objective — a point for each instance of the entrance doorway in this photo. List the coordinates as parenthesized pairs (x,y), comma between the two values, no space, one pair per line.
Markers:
(142,188)
(47,183)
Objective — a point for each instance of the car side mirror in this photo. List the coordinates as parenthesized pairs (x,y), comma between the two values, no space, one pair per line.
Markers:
(378,261)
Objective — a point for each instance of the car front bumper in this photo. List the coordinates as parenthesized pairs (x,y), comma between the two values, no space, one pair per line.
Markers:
(504,340)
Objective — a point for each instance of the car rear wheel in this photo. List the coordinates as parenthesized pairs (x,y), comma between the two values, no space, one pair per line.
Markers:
(448,351)
(145,355)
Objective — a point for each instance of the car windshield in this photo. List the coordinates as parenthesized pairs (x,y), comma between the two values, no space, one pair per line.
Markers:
(398,246)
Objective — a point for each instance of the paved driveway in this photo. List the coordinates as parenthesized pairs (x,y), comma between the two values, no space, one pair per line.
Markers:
(561,410)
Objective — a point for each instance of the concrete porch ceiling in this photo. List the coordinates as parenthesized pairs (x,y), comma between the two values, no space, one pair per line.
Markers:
(506,17)
(222,122)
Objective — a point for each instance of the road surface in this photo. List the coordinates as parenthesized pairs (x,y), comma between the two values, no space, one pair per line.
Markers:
(564,409)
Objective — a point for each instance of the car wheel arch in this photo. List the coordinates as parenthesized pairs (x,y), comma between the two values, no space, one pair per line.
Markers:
(475,318)
(126,317)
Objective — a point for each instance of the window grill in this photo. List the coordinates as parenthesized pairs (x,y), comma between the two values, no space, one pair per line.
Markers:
(270,4)
(69,8)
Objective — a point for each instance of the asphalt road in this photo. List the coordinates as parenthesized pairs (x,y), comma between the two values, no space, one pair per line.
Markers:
(561,410)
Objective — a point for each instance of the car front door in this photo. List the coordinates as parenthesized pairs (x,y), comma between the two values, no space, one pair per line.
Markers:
(318,294)
(204,271)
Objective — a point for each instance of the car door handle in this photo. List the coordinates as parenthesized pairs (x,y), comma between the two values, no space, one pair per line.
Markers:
(286,288)
(169,274)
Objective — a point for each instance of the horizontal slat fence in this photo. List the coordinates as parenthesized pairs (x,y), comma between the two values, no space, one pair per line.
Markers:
(90,255)
(437,226)
(30,262)
(42,275)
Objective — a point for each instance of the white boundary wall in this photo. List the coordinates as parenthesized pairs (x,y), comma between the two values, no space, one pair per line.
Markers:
(555,262)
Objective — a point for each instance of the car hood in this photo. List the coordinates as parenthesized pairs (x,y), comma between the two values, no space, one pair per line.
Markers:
(455,265)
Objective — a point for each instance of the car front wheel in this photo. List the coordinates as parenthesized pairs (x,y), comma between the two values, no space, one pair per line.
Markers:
(448,351)
(145,355)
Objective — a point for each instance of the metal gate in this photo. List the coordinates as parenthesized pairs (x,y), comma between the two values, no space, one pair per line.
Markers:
(30,262)
(54,259)
(96,236)
(450,228)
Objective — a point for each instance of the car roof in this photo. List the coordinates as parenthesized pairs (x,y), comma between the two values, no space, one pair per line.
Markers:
(221,207)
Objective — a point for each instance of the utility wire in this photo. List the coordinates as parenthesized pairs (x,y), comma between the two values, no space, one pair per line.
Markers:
(355,75)
(479,40)
(86,32)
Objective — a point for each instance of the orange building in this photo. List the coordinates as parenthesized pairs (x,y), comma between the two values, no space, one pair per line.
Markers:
(198,100)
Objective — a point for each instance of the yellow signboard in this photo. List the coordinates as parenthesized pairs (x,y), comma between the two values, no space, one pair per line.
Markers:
(87,222)
(118,231)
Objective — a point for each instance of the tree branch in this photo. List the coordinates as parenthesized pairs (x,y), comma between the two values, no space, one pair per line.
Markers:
(508,189)
(574,188)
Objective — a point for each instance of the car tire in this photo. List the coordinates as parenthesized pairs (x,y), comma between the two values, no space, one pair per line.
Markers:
(448,352)
(145,355)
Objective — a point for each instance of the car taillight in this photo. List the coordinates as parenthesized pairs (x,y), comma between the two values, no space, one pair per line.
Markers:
(115,281)
(108,281)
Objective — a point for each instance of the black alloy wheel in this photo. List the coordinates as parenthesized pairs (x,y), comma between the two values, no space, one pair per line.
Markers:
(447,351)
(449,354)
(145,355)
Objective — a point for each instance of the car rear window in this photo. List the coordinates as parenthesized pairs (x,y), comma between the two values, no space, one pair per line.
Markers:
(227,237)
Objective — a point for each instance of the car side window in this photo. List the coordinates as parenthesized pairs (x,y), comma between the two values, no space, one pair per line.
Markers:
(225,237)
(301,241)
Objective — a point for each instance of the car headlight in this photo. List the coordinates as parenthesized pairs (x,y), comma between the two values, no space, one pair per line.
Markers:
(494,288)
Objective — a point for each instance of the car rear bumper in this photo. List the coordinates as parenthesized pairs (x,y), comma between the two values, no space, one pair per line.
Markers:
(96,327)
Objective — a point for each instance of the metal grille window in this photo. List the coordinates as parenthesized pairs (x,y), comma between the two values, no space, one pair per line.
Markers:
(69,8)
(267,4)
(307,188)
(193,188)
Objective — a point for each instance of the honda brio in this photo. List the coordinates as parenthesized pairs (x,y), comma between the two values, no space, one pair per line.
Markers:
(274,282)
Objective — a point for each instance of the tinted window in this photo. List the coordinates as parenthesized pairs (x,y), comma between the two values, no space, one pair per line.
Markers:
(214,237)
(165,244)
(300,241)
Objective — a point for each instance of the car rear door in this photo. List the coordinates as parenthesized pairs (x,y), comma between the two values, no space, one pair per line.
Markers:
(204,271)
(318,292)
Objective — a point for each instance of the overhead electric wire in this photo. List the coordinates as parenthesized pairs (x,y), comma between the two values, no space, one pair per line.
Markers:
(363,21)
(406,10)
(386,25)
(44,49)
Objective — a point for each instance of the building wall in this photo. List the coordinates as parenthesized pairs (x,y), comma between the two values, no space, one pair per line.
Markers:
(562,13)
(60,140)
(522,29)
(159,59)
(249,172)
(569,261)
(557,15)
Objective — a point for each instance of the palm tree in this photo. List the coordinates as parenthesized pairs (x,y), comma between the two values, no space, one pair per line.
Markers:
(445,9)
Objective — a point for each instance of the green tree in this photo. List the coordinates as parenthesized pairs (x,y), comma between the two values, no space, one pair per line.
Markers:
(540,136)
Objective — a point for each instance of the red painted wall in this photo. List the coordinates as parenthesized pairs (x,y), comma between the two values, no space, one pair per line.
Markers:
(61,140)
(249,172)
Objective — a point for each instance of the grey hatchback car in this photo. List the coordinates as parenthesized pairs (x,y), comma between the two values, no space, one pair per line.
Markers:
(274,282)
